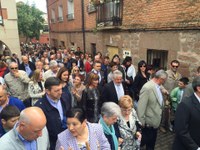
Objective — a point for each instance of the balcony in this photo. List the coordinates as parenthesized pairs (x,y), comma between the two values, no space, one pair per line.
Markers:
(91,8)
(70,16)
(60,19)
(109,13)
(53,20)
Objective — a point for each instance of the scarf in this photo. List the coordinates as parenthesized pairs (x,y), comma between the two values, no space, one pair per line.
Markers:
(109,131)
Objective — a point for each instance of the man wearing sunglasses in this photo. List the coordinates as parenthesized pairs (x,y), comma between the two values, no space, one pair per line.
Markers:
(17,82)
(171,82)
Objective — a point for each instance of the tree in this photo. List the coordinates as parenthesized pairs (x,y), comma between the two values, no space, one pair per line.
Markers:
(30,20)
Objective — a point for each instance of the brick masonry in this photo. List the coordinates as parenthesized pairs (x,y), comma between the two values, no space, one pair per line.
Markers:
(147,24)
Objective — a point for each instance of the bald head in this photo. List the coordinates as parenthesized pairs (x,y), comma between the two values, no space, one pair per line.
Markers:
(32,115)
(3,89)
(25,59)
(31,123)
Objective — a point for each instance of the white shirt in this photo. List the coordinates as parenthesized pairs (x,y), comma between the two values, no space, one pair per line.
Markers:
(198,98)
(159,94)
(120,90)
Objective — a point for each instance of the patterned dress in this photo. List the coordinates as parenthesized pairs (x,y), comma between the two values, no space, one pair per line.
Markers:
(128,133)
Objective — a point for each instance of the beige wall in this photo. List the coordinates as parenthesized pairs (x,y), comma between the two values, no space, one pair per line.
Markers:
(9,32)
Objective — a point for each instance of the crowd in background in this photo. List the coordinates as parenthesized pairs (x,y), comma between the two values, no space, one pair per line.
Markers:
(75,91)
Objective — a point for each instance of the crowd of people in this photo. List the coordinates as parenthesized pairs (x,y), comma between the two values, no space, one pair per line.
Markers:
(67,100)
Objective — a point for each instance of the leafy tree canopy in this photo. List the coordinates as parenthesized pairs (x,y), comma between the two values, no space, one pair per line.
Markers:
(30,20)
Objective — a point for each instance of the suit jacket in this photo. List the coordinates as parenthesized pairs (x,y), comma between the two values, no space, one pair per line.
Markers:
(187,123)
(54,122)
(102,82)
(97,139)
(149,108)
(31,65)
(172,80)
(11,141)
(109,93)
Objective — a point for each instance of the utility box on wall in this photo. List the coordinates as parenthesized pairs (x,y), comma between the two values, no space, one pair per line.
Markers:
(126,53)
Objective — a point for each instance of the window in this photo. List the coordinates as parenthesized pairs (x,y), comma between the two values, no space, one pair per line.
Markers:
(60,13)
(70,11)
(53,16)
(1,15)
(1,20)
(157,58)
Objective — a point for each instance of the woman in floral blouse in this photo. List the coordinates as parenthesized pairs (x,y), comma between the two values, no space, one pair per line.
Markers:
(128,124)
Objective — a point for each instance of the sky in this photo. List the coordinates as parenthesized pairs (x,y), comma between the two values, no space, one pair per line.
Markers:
(40,4)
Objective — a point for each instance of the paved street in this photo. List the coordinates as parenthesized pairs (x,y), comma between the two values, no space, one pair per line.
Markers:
(164,141)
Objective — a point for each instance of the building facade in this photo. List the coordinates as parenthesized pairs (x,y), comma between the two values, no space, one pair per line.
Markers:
(9,38)
(156,31)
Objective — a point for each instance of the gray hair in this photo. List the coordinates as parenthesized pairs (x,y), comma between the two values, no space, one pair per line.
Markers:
(196,83)
(53,63)
(117,73)
(110,109)
(11,63)
(161,74)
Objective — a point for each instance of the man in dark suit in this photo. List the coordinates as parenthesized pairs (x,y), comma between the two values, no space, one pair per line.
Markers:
(54,109)
(187,121)
(113,90)
(149,110)
(27,66)
(97,69)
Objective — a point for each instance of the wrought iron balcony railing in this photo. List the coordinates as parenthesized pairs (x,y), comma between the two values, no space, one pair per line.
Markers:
(70,16)
(109,13)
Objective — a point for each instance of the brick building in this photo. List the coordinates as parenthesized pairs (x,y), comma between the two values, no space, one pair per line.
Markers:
(157,31)
(9,37)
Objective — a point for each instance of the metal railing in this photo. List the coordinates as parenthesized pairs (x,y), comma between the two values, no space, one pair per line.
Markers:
(70,16)
(109,13)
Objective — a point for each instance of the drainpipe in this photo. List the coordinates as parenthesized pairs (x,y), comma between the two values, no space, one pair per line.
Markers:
(83,24)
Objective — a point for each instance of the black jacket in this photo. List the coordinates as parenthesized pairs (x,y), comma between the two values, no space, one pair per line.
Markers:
(91,104)
(31,65)
(187,123)
(109,93)
(54,123)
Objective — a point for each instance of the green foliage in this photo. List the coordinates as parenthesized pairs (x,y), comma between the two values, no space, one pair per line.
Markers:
(30,20)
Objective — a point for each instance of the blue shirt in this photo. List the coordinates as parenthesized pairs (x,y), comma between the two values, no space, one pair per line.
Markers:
(28,69)
(57,105)
(29,145)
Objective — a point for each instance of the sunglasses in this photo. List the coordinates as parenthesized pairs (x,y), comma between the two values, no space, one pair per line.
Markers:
(175,66)
(143,66)
(14,68)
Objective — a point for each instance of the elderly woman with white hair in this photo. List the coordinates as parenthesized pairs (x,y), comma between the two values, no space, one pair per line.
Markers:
(109,114)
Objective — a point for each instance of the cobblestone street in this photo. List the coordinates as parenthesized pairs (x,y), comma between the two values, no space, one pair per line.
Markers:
(164,141)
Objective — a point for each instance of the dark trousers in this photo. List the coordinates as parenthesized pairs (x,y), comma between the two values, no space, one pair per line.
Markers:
(149,135)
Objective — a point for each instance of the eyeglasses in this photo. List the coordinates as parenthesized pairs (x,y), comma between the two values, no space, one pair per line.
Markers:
(76,70)
(175,66)
(143,66)
(16,68)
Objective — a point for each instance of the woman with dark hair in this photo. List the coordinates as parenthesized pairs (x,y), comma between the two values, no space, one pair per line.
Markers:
(91,98)
(116,59)
(141,78)
(81,135)
(63,75)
